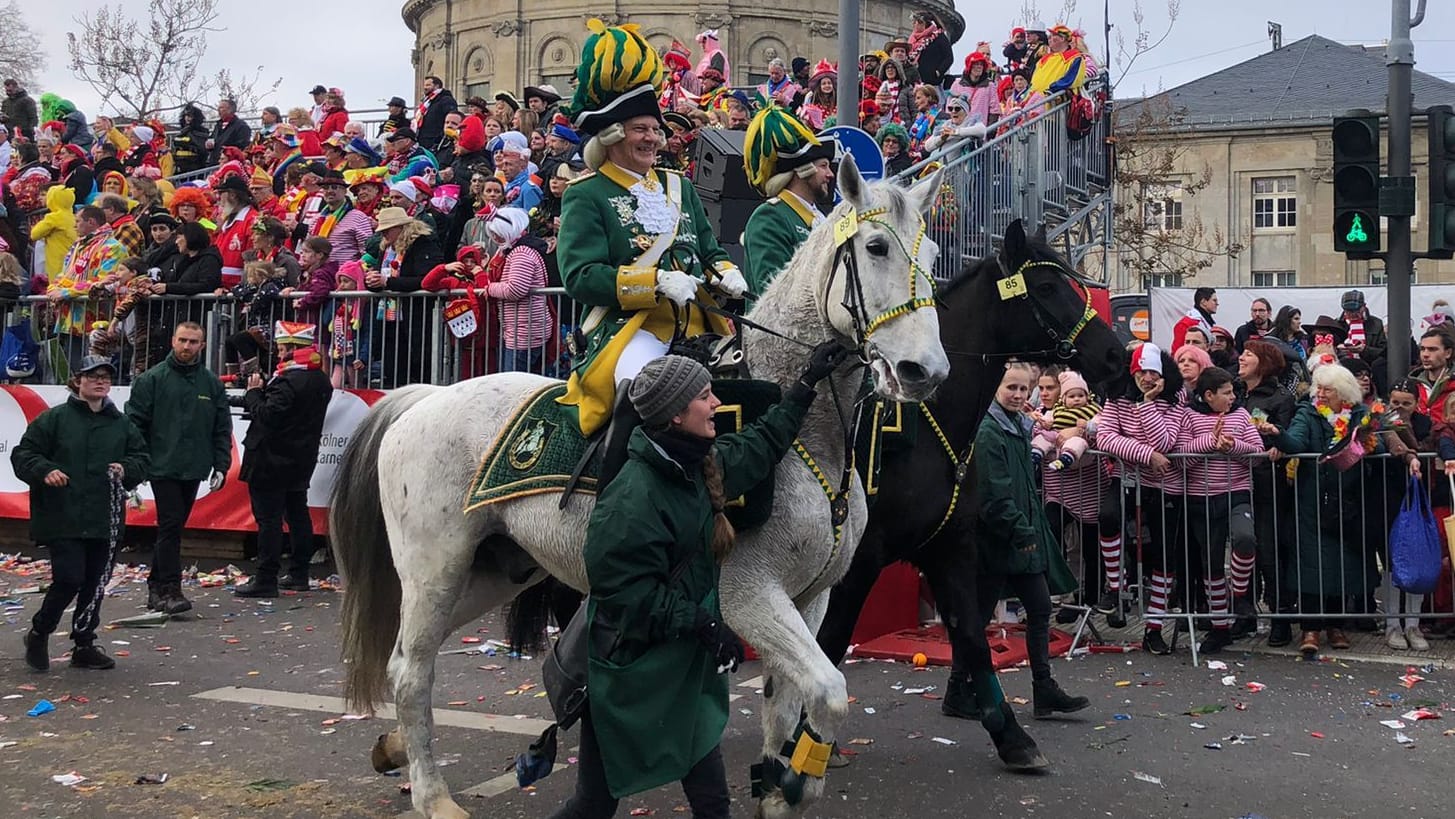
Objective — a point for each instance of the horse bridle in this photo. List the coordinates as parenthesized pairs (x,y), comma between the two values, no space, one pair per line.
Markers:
(1063,341)
(853,302)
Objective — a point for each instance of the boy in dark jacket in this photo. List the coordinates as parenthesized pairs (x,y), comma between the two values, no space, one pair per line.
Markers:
(72,456)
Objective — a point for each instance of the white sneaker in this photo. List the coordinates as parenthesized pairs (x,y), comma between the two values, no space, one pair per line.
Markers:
(1415,639)
(1395,639)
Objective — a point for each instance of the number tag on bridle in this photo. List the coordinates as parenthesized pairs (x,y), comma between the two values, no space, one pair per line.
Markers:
(1012,287)
(846,227)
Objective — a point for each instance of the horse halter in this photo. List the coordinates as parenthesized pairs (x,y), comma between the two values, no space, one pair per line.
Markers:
(864,325)
(1013,286)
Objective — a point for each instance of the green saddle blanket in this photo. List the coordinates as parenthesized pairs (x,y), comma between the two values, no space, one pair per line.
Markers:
(542,445)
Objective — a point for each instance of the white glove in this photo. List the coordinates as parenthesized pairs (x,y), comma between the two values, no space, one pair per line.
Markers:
(732,283)
(216,480)
(677,286)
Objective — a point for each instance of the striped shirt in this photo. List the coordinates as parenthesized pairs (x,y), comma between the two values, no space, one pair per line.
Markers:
(1064,417)
(524,317)
(1132,432)
(1218,473)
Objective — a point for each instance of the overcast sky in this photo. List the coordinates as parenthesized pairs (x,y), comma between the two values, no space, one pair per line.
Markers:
(364,46)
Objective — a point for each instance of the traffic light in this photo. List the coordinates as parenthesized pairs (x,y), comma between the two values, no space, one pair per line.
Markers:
(1356,183)
(1440,125)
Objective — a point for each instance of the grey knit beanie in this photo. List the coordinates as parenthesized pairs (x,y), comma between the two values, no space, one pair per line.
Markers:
(665,387)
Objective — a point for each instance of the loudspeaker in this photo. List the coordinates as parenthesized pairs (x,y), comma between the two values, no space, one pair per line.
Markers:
(729,217)
(719,173)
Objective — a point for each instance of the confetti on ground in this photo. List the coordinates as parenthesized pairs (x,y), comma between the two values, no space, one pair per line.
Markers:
(1255,687)
(1148,778)
(861,741)
(944,740)
(70,780)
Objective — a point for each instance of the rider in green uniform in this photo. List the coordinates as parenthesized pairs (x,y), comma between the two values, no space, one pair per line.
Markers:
(634,241)
(784,161)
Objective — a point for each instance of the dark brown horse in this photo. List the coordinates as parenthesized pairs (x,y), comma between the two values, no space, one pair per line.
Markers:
(1020,304)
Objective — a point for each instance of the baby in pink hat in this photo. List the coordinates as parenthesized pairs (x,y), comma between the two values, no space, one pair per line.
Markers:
(1072,421)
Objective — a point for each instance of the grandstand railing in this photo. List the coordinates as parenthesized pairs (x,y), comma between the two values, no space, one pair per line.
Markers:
(1028,168)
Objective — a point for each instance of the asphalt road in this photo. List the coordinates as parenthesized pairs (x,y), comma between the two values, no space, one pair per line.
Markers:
(185,702)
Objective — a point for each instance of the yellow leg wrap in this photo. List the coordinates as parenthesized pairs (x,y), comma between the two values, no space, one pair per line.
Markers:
(810,757)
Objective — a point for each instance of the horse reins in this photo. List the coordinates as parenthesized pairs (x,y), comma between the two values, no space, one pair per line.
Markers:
(1064,342)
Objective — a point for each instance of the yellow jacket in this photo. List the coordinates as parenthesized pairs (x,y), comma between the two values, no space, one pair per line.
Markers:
(57,227)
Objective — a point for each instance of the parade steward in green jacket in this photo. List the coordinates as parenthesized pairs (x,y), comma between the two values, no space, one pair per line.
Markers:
(657,690)
(77,459)
(1020,553)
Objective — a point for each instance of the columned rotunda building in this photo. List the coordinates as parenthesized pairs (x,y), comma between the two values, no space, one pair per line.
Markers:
(479,47)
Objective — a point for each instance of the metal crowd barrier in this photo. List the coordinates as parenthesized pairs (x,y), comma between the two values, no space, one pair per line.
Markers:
(369,339)
(1319,554)
(1027,169)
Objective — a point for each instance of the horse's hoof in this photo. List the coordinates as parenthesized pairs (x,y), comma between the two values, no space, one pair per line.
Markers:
(1023,760)
(389,753)
(773,807)
(445,808)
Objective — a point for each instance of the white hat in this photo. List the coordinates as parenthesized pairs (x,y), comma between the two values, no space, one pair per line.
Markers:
(1147,357)
(143,132)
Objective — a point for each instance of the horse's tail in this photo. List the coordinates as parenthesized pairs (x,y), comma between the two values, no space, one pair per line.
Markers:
(370,610)
(533,609)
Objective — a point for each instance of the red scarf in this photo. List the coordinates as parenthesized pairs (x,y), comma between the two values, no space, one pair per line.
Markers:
(306,358)
(917,42)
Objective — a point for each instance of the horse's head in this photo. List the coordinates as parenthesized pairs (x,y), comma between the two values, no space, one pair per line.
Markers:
(881,292)
(1029,303)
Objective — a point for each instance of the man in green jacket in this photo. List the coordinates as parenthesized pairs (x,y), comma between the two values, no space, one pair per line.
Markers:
(70,455)
(657,693)
(787,163)
(181,409)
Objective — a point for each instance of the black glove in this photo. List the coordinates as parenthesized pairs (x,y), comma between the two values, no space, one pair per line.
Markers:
(725,646)
(825,359)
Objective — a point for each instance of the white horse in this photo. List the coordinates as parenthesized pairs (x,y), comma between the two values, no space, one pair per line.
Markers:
(417,568)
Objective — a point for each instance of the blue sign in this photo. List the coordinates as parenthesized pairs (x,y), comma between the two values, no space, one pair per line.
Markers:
(865,150)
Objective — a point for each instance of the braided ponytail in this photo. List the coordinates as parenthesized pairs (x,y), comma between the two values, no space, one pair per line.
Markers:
(723,535)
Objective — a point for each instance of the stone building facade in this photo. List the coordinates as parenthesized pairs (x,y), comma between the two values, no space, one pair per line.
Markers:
(1267,157)
(484,46)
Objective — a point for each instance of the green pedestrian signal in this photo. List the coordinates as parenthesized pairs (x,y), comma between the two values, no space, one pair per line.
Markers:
(1356,234)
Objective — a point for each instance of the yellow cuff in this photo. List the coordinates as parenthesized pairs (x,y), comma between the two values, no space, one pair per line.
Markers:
(719,268)
(636,287)
(810,757)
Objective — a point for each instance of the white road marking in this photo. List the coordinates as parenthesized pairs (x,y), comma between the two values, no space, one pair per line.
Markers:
(526,726)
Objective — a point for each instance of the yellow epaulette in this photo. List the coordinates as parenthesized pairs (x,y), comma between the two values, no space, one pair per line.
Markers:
(582,178)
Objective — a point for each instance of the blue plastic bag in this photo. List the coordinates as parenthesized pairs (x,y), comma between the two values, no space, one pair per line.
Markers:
(1414,543)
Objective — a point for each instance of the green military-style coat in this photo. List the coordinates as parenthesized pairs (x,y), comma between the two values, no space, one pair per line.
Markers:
(604,231)
(655,699)
(773,234)
(1011,517)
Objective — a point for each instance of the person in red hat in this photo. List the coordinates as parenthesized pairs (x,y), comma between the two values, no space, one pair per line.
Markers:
(822,104)
(977,86)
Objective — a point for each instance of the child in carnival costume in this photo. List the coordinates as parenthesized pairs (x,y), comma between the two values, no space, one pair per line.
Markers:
(634,241)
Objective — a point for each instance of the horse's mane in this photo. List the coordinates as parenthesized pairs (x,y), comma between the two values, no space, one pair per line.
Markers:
(1036,249)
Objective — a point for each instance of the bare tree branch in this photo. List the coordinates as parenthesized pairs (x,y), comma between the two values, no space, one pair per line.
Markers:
(138,67)
(1142,42)
(20,53)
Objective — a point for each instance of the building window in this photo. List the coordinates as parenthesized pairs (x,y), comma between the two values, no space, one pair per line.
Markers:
(1162,206)
(1376,276)
(1163,279)
(1275,278)
(1275,202)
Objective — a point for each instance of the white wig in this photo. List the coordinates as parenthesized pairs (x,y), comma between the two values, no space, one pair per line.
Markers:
(1341,381)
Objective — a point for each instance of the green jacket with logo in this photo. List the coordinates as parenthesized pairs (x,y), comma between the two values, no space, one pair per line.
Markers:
(656,701)
(1012,533)
(82,444)
(182,413)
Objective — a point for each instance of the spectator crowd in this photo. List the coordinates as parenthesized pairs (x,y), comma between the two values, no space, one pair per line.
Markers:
(123,225)
(1233,477)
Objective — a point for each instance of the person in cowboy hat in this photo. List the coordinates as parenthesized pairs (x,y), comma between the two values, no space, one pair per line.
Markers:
(70,455)
(787,163)
(505,106)
(541,98)
(634,242)
(280,452)
(397,118)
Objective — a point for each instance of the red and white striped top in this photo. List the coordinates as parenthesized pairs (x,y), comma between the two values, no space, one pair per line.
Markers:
(1079,487)
(525,321)
(1132,432)
(1219,473)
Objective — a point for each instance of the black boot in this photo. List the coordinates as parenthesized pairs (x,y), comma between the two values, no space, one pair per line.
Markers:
(37,652)
(960,701)
(1016,748)
(91,657)
(294,582)
(257,586)
(1049,699)
(154,597)
(172,600)
(1280,633)
(1153,643)
(1215,641)
(1246,615)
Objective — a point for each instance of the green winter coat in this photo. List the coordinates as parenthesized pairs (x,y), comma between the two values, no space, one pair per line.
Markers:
(1328,558)
(182,412)
(1011,519)
(656,701)
(773,234)
(80,443)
